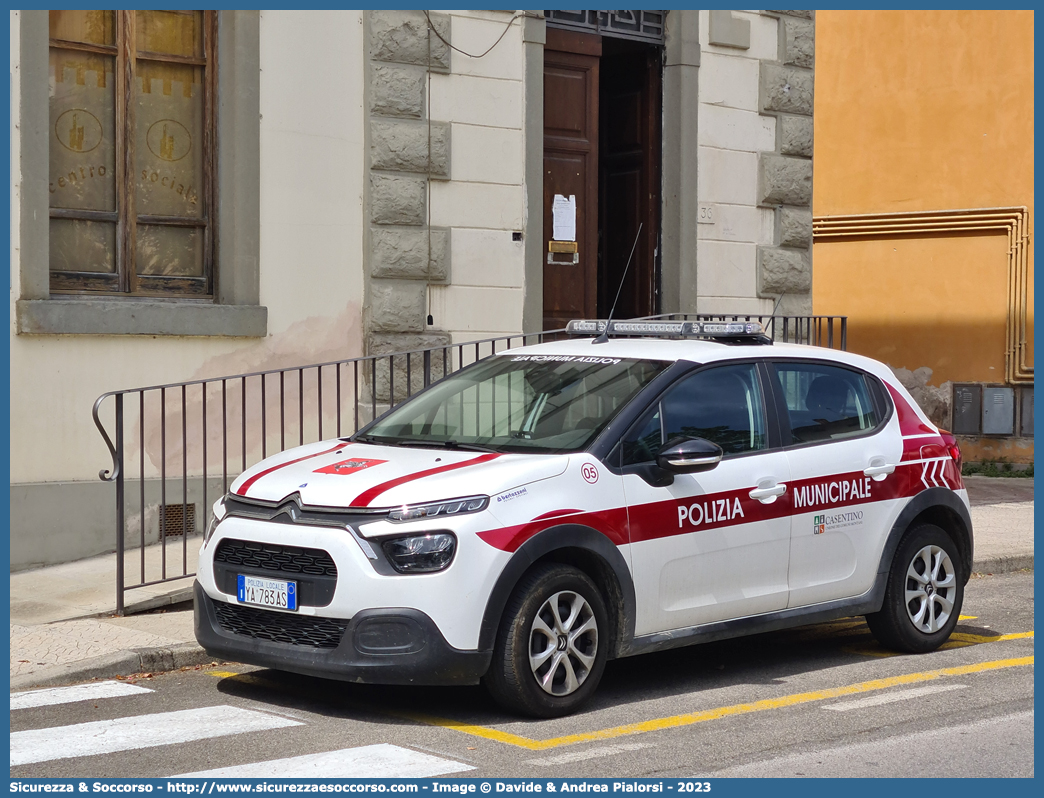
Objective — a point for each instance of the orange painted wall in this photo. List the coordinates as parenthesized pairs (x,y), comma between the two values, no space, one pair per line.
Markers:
(915,111)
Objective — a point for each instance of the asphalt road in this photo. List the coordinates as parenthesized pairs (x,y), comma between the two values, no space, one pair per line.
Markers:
(823,700)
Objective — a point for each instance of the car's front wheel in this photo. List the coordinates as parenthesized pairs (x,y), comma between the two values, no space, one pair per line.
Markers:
(552,644)
(924,593)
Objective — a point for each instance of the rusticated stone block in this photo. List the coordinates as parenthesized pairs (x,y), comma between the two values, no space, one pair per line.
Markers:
(800,41)
(784,181)
(402,253)
(783,271)
(728,31)
(787,89)
(403,36)
(804,13)
(397,305)
(795,227)
(403,146)
(414,376)
(397,200)
(396,91)
(796,135)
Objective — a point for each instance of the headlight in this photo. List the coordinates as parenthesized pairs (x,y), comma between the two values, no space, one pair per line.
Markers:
(421,553)
(219,514)
(410,512)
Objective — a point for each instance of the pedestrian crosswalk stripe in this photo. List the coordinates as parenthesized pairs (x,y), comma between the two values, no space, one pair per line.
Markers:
(140,731)
(368,761)
(79,692)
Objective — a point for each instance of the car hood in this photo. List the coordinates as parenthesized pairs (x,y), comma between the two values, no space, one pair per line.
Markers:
(342,474)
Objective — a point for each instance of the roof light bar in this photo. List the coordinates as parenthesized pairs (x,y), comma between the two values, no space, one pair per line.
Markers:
(679,329)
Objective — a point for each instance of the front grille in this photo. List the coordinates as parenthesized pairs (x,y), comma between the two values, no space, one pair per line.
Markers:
(280,627)
(290,560)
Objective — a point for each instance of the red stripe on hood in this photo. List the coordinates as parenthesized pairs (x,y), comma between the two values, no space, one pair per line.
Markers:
(367,496)
(246,485)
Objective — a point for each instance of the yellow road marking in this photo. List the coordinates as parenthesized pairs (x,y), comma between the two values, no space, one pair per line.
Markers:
(850,627)
(691,718)
(960,637)
(957,640)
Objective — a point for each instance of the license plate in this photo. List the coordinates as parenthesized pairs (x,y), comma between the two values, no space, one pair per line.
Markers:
(267,592)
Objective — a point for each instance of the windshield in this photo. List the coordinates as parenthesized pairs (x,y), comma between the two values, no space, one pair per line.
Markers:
(544,404)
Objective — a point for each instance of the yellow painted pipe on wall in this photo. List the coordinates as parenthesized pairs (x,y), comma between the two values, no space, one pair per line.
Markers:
(1013,221)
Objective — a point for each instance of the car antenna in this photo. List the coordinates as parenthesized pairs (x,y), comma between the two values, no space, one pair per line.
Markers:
(604,337)
(776,306)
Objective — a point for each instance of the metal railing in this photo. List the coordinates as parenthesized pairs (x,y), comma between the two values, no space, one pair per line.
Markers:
(187,441)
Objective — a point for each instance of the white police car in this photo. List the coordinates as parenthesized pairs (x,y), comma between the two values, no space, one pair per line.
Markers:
(545,510)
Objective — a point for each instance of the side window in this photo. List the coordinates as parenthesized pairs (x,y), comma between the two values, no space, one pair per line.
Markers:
(722,404)
(825,402)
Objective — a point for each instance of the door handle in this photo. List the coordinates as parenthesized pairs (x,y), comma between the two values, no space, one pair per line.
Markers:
(768,494)
(880,471)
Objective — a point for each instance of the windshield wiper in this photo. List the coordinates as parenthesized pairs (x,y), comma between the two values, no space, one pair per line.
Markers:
(469,447)
(423,444)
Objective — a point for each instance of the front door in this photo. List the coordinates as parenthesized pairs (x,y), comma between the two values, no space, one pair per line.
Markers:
(716,544)
(571,172)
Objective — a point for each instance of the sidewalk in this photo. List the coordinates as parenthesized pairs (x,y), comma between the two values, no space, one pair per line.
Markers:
(63,629)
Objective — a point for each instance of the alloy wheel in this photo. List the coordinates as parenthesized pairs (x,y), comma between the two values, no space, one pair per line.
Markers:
(563,643)
(931,583)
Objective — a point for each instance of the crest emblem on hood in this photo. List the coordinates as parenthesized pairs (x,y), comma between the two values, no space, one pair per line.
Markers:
(348,466)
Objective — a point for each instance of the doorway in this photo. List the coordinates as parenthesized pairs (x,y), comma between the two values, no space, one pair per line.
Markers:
(602,137)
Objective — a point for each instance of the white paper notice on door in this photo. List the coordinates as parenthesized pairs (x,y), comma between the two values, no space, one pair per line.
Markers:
(563,217)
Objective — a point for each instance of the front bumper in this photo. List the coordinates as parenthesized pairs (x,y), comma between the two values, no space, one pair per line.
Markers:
(376,646)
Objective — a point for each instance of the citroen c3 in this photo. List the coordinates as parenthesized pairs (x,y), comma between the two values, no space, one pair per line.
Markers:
(540,512)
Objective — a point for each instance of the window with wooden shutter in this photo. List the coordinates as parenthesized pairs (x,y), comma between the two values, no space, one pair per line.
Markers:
(131,152)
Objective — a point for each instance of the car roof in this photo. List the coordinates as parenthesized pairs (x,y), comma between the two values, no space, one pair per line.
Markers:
(694,350)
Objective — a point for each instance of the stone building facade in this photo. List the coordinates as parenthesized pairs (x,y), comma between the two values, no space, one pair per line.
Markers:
(378,187)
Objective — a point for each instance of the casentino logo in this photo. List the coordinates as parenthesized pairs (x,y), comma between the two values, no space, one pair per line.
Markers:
(828,523)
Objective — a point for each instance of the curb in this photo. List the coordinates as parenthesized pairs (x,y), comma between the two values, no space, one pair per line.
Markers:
(107,666)
(1003,565)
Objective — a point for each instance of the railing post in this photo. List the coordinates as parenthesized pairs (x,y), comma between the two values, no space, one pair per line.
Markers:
(427,367)
(120,531)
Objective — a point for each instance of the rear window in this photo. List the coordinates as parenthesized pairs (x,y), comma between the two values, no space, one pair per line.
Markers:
(825,402)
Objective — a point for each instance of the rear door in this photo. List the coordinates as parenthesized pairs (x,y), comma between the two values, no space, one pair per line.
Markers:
(843,481)
(716,544)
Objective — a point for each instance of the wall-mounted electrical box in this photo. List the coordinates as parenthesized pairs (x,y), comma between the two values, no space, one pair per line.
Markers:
(1026,420)
(998,410)
(967,409)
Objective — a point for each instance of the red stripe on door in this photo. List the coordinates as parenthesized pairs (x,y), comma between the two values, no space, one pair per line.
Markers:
(367,496)
(246,485)
(663,519)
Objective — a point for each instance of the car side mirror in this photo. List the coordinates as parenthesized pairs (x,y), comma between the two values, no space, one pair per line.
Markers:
(689,455)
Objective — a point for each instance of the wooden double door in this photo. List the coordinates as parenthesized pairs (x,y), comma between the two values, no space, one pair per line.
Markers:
(602,134)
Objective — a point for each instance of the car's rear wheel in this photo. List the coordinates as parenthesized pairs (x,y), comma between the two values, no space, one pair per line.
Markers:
(924,593)
(552,644)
